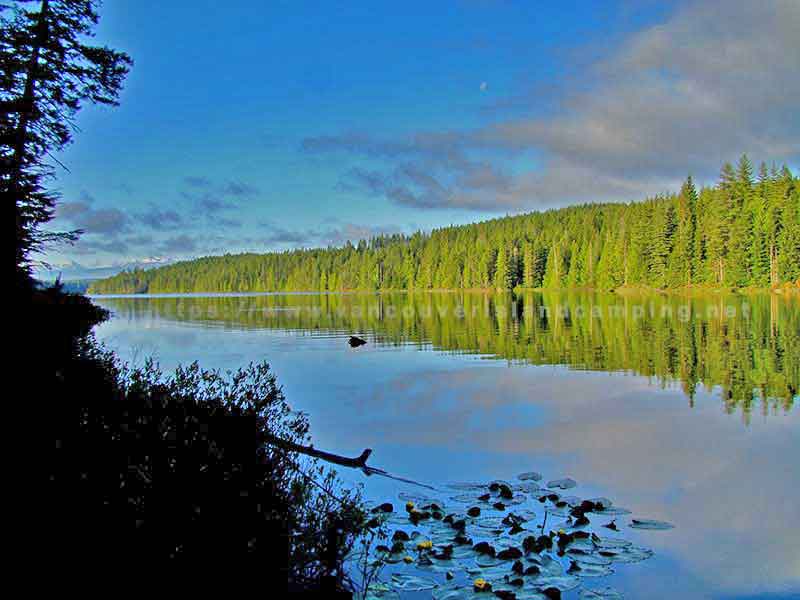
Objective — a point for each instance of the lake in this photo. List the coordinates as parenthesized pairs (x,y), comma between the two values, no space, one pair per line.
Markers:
(680,409)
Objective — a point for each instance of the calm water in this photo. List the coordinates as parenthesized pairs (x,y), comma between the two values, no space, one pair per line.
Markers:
(682,410)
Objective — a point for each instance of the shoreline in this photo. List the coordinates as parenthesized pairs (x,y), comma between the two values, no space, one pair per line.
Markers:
(786,289)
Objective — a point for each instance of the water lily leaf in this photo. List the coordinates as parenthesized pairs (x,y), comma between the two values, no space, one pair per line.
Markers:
(562,484)
(443,566)
(451,592)
(490,523)
(613,511)
(589,559)
(411,583)
(584,569)
(381,591)
(466,486)
(400,536)
(606,593)
(420,499)
(612,525)
(527,487)
(583,547)
(462,552)
(495,484)
(485,560)
(549,566)
(385,507)
(556,511)
(530,476)
(466,498)
(530,594)
(651,524)
(611,543)
(397,519)
(510,553)
(563,583)
(631,554)
(570,526)
(443,537)
(394,557)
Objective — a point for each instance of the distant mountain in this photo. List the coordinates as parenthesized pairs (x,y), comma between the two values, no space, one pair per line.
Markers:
(73,271)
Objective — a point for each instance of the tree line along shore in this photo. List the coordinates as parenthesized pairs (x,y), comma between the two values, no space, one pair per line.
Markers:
(743,232)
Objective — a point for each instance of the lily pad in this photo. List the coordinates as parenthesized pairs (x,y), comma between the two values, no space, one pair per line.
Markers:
(611,543)
(527,487)
(585,569)
(490,524)
(465,486)
(439,566)
(549,566)
(613,511)
(651,524)
(528,555)
(562,484)
(465,498)
(485,560)
(589,559)
(560,582)
(630,554)
(419,499)
(451,591)
(606,593)
(411,583)
(381,591)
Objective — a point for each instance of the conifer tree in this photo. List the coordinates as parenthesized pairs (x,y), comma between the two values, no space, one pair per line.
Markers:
(48,73)
(502,272)
(789,240)
(741,226)
(529,266)
(668,241)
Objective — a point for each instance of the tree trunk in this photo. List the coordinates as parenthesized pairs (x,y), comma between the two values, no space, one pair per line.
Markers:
(27,104)
(773,265)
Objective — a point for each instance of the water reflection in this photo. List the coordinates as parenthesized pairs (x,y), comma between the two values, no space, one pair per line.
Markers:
(634,404)
(746,345)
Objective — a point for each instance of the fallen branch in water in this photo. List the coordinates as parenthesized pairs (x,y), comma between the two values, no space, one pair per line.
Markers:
(360,462)
(355,463)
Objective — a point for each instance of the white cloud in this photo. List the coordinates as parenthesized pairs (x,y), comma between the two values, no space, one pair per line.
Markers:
(715,80)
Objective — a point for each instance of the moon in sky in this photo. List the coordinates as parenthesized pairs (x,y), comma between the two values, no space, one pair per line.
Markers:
(484,86)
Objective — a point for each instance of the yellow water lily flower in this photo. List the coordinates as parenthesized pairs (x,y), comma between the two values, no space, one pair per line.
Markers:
(409,506)
(481,584)
(408,560)
(425,545)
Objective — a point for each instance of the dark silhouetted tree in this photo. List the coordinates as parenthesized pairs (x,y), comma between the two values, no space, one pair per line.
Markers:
(48,73)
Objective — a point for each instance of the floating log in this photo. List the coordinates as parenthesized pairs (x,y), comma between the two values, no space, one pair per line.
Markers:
(355,463)
(359,462)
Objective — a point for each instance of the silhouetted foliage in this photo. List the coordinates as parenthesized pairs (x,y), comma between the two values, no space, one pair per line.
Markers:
(147,469)
(48,73)
(142,470)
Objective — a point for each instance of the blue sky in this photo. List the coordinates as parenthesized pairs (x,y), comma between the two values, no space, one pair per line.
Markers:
(266,126)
